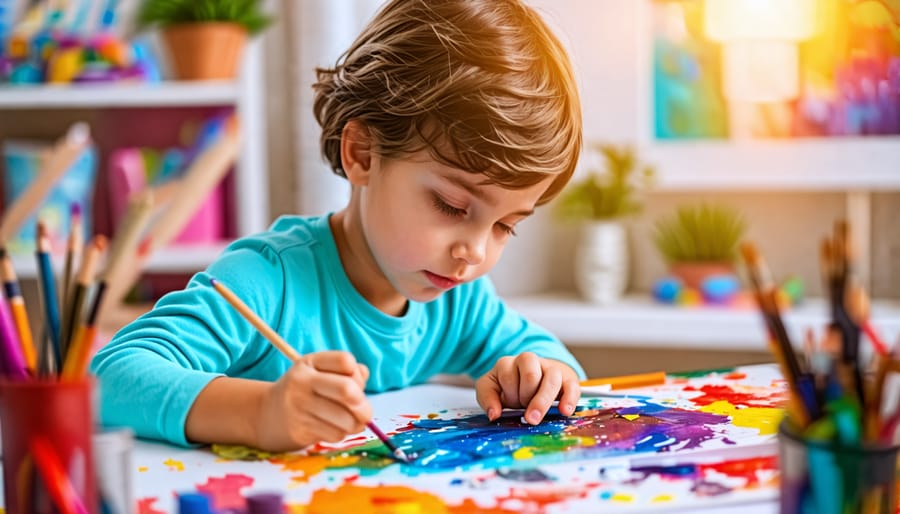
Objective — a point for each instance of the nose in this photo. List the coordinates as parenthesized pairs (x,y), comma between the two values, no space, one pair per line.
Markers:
(470,249)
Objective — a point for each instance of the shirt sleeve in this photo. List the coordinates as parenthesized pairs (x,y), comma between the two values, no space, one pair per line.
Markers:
(494,330)
(152,370)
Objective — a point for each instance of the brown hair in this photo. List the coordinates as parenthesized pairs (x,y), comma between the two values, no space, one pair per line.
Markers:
(482,84)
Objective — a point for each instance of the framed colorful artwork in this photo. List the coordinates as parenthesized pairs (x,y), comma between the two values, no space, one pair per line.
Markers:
(799,94)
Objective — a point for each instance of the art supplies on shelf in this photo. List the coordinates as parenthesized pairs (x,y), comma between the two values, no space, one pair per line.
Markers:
(55,43)
(47,180)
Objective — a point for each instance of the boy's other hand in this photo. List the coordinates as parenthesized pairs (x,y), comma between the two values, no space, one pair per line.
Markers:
(530,382)
(320,398)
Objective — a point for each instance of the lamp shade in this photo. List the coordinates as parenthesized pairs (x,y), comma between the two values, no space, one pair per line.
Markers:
(731,20)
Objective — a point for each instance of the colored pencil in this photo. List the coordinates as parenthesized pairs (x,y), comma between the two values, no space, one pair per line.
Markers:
(628,381)
(83,283)
(75,366)
(12,362)
(53,474)
(60,158)
(73,250)
(288,351)
(48,289)
(19,312)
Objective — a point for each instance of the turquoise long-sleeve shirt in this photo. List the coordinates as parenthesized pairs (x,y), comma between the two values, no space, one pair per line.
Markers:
(291,276)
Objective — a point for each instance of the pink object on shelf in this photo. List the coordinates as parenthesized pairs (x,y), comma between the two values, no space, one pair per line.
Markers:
(128,176)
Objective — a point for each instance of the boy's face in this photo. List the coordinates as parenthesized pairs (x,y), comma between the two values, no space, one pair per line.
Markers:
(431,227)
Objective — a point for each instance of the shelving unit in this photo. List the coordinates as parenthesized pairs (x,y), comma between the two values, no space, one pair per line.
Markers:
(639,320)
(245,95)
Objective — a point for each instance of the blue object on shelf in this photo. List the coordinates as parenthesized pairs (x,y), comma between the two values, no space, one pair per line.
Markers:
(719,289)
(23,162)
(667,289)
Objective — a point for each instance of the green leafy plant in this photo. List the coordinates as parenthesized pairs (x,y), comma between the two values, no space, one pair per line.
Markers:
(247,13)
(611,193)
(704,233)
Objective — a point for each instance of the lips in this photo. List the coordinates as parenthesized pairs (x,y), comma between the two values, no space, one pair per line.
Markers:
(441,281)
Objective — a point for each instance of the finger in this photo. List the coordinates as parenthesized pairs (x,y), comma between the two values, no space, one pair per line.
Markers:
(508,380)
(568,398)
(328,412)
(543,398)
(487,394)
(334,362)
(323,431)
(338,388)
(364,371)
(529,366)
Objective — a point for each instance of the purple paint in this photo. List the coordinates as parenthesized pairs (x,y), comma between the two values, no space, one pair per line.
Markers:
(265,503)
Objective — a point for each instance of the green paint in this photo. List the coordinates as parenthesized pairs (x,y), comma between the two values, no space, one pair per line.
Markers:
(701,372)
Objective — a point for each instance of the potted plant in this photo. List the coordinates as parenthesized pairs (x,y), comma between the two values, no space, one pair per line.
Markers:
(600,202)
(204,38)
(700,241)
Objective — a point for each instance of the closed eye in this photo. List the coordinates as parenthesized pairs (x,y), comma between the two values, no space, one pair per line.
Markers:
(446,208)
(508,229)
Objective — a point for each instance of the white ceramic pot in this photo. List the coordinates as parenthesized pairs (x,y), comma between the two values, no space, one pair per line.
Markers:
(601,261)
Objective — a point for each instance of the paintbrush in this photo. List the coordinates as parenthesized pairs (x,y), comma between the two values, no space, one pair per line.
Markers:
(289,352)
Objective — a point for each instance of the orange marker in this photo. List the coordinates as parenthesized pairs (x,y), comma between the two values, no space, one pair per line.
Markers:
(629,381)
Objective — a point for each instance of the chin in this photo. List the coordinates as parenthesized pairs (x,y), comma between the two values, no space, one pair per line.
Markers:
(424,296)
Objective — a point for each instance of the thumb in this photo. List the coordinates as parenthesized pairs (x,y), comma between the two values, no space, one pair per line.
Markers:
(487,394)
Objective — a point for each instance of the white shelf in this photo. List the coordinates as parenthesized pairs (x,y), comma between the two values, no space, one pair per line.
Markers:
(640,320)
(120,95)
(187,258)
(766,165)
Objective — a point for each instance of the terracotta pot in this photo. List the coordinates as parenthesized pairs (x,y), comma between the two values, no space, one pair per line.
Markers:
(692,274)
(205,51)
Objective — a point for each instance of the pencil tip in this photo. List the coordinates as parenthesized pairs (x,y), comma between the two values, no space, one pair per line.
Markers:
(212,282)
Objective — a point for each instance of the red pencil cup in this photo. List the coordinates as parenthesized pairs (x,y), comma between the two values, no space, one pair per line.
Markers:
(46,429)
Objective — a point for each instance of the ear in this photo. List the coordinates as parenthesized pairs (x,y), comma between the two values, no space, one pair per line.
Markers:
(356,152)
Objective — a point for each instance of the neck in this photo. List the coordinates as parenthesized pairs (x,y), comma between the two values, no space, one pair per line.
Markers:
(359,264)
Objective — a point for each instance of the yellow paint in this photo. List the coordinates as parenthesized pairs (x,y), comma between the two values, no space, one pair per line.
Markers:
(142,469)
(662,498)
(523,453)
(631,417)
(174,465)
(622,498)
(432,415)
(764,419)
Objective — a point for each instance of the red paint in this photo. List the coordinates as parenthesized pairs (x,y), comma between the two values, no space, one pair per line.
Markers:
(715,393)
(735,375)
(745,468)
(226,491)
(351,478)
(410,416)
(145,506)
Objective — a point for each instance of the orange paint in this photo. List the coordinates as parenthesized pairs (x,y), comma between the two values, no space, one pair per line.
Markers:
(306,466)
(410,416)
(399,499)
(735,375)
(374,500)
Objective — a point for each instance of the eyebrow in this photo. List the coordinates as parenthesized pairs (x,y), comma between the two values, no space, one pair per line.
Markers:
(477,192)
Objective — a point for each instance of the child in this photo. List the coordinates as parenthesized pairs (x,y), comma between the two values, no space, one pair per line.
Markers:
(451,120)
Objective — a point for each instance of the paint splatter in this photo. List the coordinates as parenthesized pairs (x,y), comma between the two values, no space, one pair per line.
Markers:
(145,506)
(226,491)
(174,465)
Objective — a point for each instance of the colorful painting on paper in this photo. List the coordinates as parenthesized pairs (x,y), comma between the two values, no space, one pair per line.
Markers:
(837,74)
(700,439)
